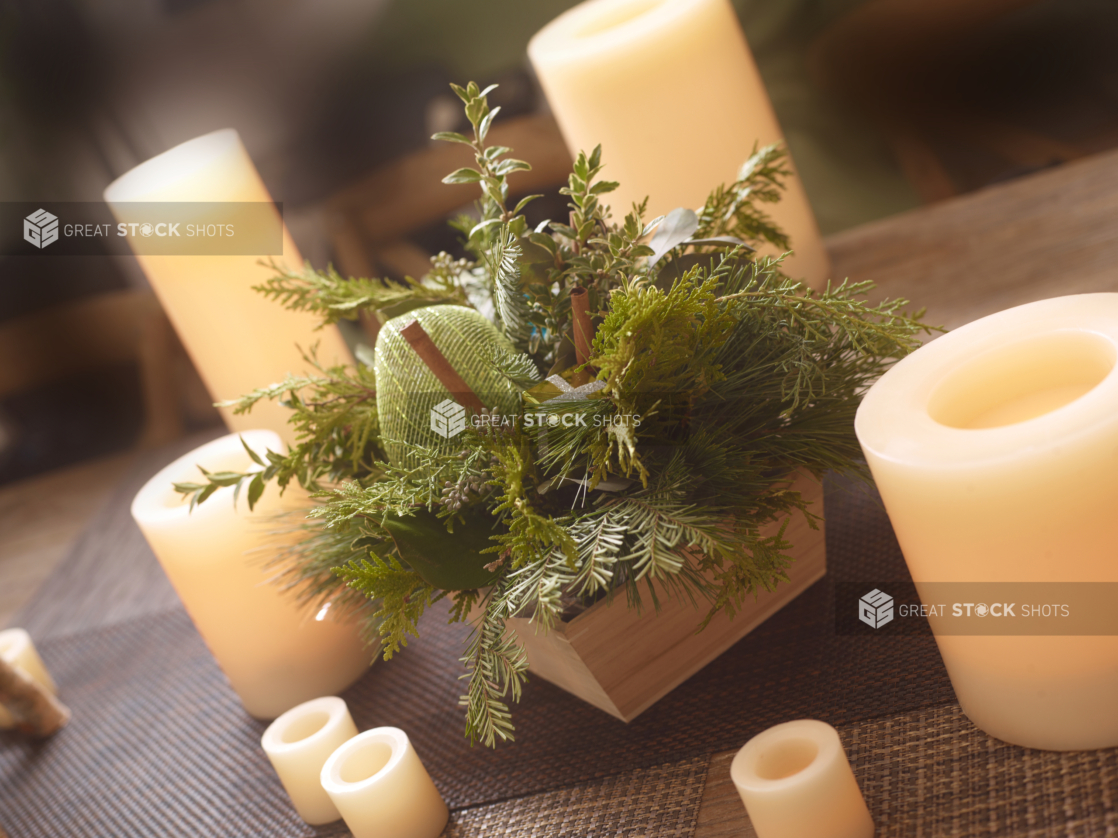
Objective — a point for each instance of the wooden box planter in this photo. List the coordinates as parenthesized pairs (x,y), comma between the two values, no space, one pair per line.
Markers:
(624,662)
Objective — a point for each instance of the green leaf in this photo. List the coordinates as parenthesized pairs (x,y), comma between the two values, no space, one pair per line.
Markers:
(539,249)
(447,561)
(255,490)
(481,225)
(604,186)
(483,129)
(255,457)
(476,111)
(677,226)
(512,165)
(527,199)
(224,478)
(203,495)
(596,157)
(463,176)
(452,137)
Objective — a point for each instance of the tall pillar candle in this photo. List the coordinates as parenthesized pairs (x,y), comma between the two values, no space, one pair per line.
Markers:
(238,339)
(670,90)
(17,649)
(795,782)
(381,788)
(995,449)
(275,653)
(298,744)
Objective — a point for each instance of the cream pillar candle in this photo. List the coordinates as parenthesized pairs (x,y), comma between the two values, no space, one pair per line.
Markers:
(17,649)
(237,339)
(795,782)
(381,788)
(995,448)
(275,653)
(298,744)
(670,90)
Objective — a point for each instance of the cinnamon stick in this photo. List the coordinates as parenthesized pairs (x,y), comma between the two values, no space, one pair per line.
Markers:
(36,711)
(431,355)
(583,332)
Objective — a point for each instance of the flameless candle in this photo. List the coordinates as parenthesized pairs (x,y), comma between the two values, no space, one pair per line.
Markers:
(298,744)
(381,788)
(275,653)
(17,649)
(995,448)
(795,782)
(670,90)
(237,339)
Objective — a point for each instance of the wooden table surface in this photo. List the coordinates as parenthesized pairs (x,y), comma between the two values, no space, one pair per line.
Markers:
(1047,235)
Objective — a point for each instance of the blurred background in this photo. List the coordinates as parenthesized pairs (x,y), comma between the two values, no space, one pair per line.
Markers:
(886,105)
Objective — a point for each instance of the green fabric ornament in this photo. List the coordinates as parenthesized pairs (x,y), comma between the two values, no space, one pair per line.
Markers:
(407,390)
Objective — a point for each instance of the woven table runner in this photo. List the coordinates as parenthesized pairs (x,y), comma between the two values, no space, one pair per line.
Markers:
(159,743)
(930,772)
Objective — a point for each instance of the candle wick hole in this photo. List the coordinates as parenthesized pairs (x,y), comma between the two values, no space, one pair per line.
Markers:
(617,17)
(786,758)
(304,727)
(1022,381)
(364,762)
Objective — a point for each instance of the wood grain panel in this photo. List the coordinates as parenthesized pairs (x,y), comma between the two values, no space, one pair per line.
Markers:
(1048,235)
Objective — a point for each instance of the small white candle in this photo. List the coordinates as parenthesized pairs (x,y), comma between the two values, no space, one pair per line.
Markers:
(298,744)
(382,789)
(795,782)
(17,649)
(275,653)
(995,449)
(237,339)
(670,90)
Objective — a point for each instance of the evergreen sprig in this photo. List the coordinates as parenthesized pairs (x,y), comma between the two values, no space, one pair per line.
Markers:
(332,297)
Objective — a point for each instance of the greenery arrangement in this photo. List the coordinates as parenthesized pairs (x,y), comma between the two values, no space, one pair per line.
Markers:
(655,452)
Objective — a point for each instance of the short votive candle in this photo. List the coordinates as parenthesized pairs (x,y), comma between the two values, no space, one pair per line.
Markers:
(17,650)
(381,788)
(298,744)
(995,449)
(795,782)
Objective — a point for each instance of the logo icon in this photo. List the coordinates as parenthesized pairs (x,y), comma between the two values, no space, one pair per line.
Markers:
(875,609)
(448,418)
(40,228)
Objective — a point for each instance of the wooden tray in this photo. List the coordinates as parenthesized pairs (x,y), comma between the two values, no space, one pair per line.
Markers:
(624,662)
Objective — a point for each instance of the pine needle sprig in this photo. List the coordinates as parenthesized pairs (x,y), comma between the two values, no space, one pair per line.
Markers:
(733,209)
(496,667)
(400,597)
(512,305)
(332,297)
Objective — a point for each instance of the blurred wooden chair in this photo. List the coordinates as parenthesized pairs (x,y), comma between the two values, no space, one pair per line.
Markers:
(879,57)
(107,328)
